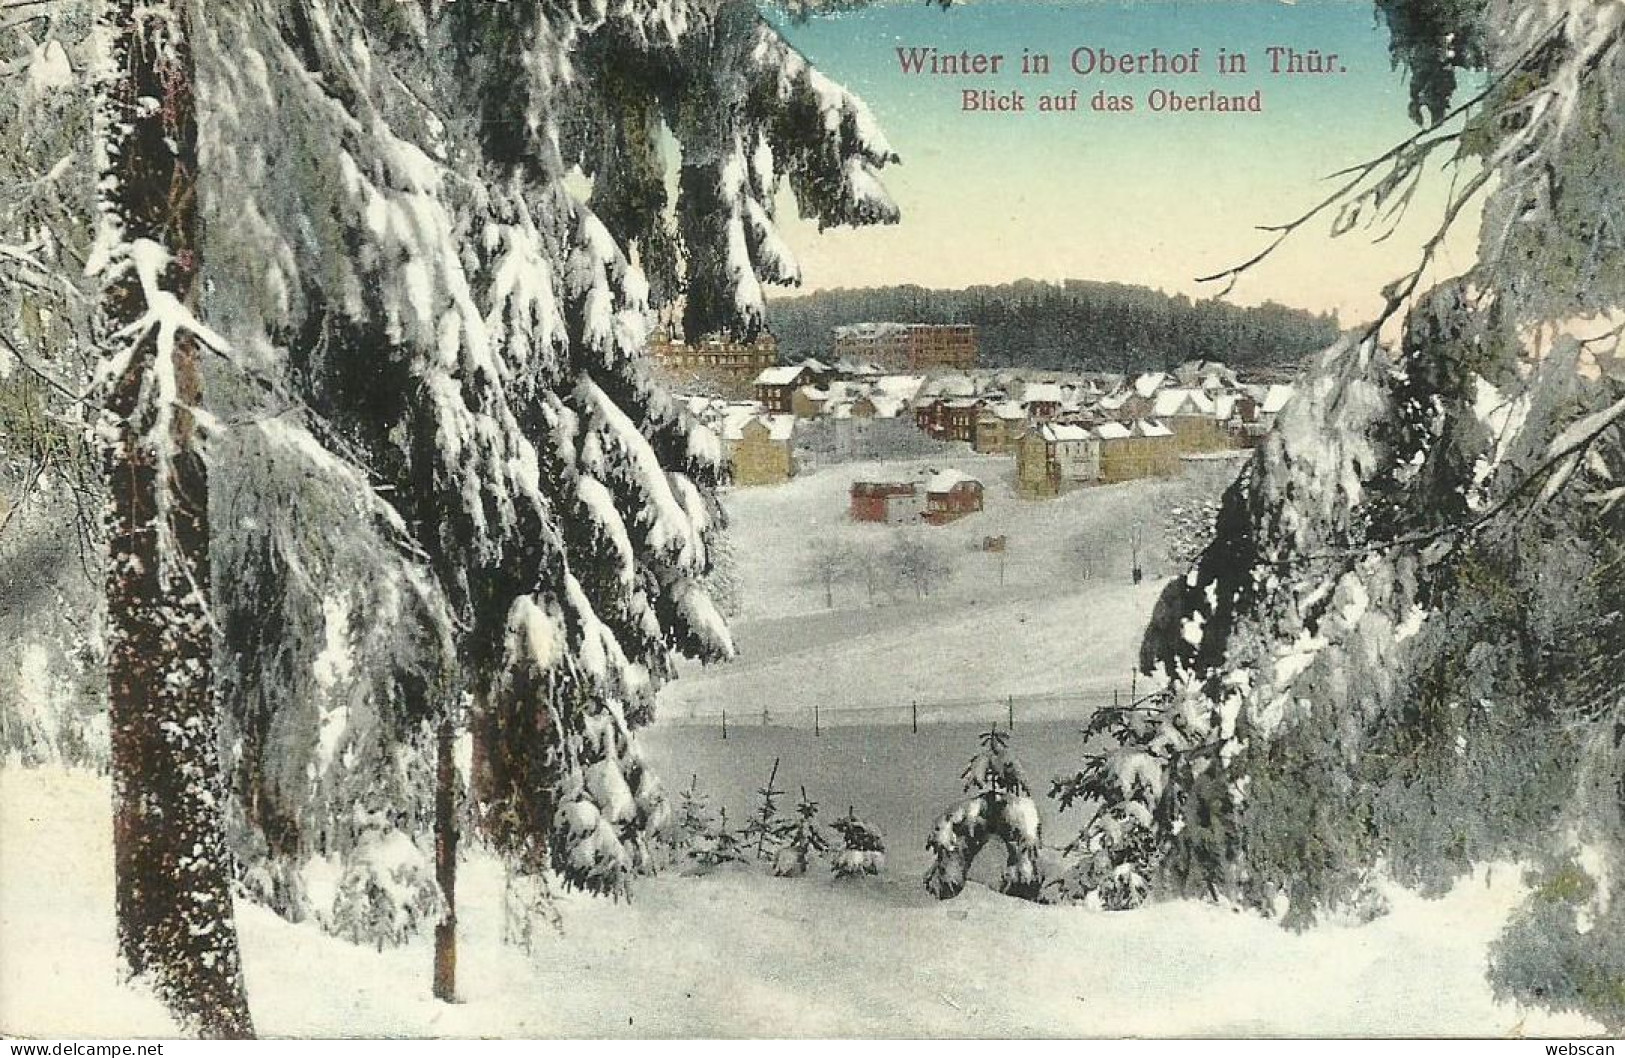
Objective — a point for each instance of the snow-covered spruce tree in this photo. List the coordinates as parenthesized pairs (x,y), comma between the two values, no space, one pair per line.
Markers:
(761,831)
(862,851)
(52,678)
(1391,651)
(172,870)
(466,333)
(682,65)
(999,806)
(722,845)
(693,819)
(800,838)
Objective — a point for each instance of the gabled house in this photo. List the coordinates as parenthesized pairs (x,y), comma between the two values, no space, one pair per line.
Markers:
(1140,449)
(1042,401)
(760,449)
(776,385)
(998,426)
(1192,415)
(886,502)
(1052,458)
(950,495)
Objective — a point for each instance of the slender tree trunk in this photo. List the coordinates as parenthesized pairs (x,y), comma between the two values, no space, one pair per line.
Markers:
(445,861)
(176,924)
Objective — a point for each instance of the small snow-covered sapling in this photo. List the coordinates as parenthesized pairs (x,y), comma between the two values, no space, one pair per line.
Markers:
(800,839)
(862,849)
(720,846)
(761,832)
(1000,806)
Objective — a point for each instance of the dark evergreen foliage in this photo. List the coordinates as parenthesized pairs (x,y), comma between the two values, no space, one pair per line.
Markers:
(1078,325)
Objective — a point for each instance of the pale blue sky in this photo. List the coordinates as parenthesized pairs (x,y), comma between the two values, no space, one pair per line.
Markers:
(1143,197)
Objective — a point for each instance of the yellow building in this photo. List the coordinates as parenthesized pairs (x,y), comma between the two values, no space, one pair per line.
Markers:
(761,450)
(1193,416)
(1138,450)
(1055,457)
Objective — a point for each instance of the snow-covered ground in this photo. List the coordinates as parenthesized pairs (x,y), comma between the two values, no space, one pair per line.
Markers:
(1055,624)
(739,953)
(744,954)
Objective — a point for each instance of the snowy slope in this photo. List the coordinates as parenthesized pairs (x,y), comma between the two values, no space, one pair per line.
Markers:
(740,954)
(1047,628)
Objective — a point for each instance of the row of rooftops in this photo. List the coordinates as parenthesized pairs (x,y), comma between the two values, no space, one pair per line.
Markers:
(1057,432)
(1146,402)
(1213,396)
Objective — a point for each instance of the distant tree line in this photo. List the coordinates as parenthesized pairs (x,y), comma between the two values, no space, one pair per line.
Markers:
(1076,324)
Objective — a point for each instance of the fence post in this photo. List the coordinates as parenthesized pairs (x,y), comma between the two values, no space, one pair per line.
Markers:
(725,725)
(1010,710)
(914,714)
(816,732)
(1114,698)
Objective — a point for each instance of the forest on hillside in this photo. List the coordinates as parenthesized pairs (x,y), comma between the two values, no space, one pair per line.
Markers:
(1078,324)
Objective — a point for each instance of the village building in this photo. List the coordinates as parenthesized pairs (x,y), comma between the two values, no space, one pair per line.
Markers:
(904,388)
(857,370)
(1054,457)
(1042,400)
(760,449)
(887,502)
(809,402)
(998,426)
(909,346)
(950,495)
(958,419)
(720,366)
(1274,399)
(1141,449)
(877,406)
(1192,414)
(820,373)
(775,385)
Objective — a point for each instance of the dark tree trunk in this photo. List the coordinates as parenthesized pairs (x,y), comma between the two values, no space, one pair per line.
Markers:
(176,924)
(445,862)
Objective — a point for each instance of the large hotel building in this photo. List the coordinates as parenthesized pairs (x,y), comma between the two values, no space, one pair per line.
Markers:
(726,368)
(913,347)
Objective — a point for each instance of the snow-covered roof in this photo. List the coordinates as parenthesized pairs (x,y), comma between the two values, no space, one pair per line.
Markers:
(953,386)
(1149,383)
(779,427)
(855,367)
(1224,406)
(886,407)
(962,403)
(1152,428)
(1041,392)
(1181,401)
(1059,432)
(814,364)
(1113,431)
(1008,410)
(780,376)
(1275,398)
(902,387)
(945,481)
(1116,400)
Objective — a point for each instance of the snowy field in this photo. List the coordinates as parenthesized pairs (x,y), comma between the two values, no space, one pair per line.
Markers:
(1054,626)
(742,954)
